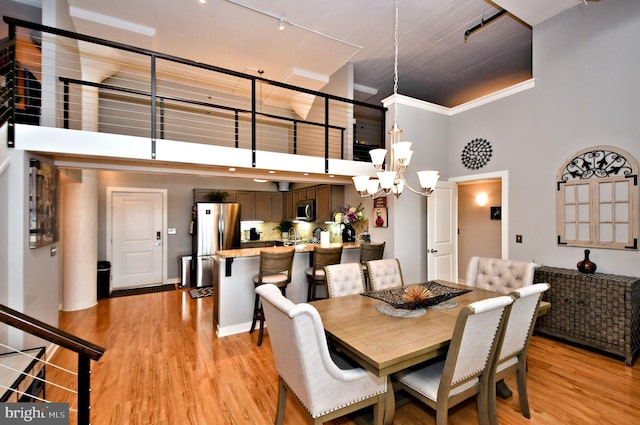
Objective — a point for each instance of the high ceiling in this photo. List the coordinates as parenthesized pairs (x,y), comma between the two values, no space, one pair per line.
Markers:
(436,64)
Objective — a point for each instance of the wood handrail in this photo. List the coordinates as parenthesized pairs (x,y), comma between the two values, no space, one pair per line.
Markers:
(49,333)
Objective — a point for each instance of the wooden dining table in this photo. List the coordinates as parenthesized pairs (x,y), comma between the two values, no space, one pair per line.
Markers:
(385,344)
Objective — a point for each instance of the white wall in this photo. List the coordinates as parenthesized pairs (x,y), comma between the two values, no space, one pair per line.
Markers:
(428,128)
(585,66)
(4,222)
(33,274)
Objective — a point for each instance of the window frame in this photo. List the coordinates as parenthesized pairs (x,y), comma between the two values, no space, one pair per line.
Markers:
(593,168)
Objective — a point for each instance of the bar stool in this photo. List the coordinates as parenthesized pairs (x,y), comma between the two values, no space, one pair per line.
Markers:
(322,256)
(275,268)
(370,251)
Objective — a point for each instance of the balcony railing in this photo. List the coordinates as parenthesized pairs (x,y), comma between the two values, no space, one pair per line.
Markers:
(63,79)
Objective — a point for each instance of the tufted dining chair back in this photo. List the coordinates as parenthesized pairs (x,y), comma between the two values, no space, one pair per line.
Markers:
(344,279)
(498,275)
(384,274)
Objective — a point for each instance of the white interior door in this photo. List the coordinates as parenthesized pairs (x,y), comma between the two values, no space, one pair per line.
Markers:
(137,239)
(442,262)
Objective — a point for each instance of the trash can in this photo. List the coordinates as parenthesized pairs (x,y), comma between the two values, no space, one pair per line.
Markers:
(185,271)
(104,279)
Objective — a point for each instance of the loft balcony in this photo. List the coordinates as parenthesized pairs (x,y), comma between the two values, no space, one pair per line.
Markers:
(88,102)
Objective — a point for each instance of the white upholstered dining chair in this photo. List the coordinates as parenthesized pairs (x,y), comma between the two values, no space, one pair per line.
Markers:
(344,279)
(384,274)
(513,353)
(498,275)
(503,276)
(467,368)
(306,368)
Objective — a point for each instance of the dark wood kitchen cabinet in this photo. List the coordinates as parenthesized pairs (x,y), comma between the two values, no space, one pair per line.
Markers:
(328,199)
(247,201)
(288,207)
(268,206)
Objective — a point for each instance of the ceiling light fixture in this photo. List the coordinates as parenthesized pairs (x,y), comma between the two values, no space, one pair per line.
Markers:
(294,24)
(281,26)
(392,180)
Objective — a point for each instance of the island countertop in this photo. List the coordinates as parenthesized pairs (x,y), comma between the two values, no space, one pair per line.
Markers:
(302,247)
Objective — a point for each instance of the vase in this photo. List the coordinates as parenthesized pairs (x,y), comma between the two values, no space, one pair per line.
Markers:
(348,233)
(586,265)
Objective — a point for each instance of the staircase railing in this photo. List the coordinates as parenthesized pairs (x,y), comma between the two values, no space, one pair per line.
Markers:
(85,350)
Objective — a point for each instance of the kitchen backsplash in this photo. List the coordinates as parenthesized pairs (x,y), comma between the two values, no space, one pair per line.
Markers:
(269,232)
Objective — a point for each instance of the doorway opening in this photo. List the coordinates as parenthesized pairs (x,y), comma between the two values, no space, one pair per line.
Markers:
(482,218)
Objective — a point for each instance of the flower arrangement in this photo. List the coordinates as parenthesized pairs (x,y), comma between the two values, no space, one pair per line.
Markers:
(349,215)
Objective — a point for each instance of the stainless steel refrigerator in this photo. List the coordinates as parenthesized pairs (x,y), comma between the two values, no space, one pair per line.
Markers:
(216,227)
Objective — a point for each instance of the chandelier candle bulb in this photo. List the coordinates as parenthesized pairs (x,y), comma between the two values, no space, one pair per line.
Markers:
(428,180)
(387,179)
(402,150)
(377,156)
(372,186)
(398,188)
(361,183)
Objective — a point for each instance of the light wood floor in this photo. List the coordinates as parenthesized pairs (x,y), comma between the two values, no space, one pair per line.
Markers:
(164,365)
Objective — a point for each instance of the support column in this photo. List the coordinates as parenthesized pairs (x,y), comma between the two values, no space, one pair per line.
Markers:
(79,288)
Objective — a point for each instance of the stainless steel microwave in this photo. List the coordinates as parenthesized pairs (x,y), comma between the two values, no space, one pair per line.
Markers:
(306,210)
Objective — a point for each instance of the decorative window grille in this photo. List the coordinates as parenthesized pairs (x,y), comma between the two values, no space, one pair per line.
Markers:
(597,199)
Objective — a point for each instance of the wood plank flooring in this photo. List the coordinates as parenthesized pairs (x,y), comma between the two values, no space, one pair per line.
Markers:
(165,365)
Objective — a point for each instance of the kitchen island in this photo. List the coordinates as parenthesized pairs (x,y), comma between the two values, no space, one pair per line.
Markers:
(233,289)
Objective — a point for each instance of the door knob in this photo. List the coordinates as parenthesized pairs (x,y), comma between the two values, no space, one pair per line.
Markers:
(431,251)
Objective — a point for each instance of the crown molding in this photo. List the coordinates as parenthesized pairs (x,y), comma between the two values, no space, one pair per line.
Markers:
(432,107)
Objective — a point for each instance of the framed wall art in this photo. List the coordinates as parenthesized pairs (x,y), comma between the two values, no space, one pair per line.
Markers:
(496,213)
(380,214)
(43,204)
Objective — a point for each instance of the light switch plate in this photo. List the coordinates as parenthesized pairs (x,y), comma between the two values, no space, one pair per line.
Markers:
(171,231)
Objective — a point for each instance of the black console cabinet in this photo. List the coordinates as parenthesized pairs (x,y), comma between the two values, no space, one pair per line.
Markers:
(598,310)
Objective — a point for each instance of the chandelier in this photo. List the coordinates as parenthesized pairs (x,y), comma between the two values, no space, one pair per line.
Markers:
(392,179)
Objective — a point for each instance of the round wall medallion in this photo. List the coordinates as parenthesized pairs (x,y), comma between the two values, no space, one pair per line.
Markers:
(476,154)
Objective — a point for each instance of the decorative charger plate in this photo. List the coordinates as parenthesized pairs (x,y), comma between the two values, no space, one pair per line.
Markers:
(439,293)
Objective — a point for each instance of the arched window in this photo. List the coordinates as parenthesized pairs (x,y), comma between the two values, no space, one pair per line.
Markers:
(597,199)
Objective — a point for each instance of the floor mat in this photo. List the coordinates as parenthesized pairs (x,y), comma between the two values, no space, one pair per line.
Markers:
(145,290)
(206,291)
